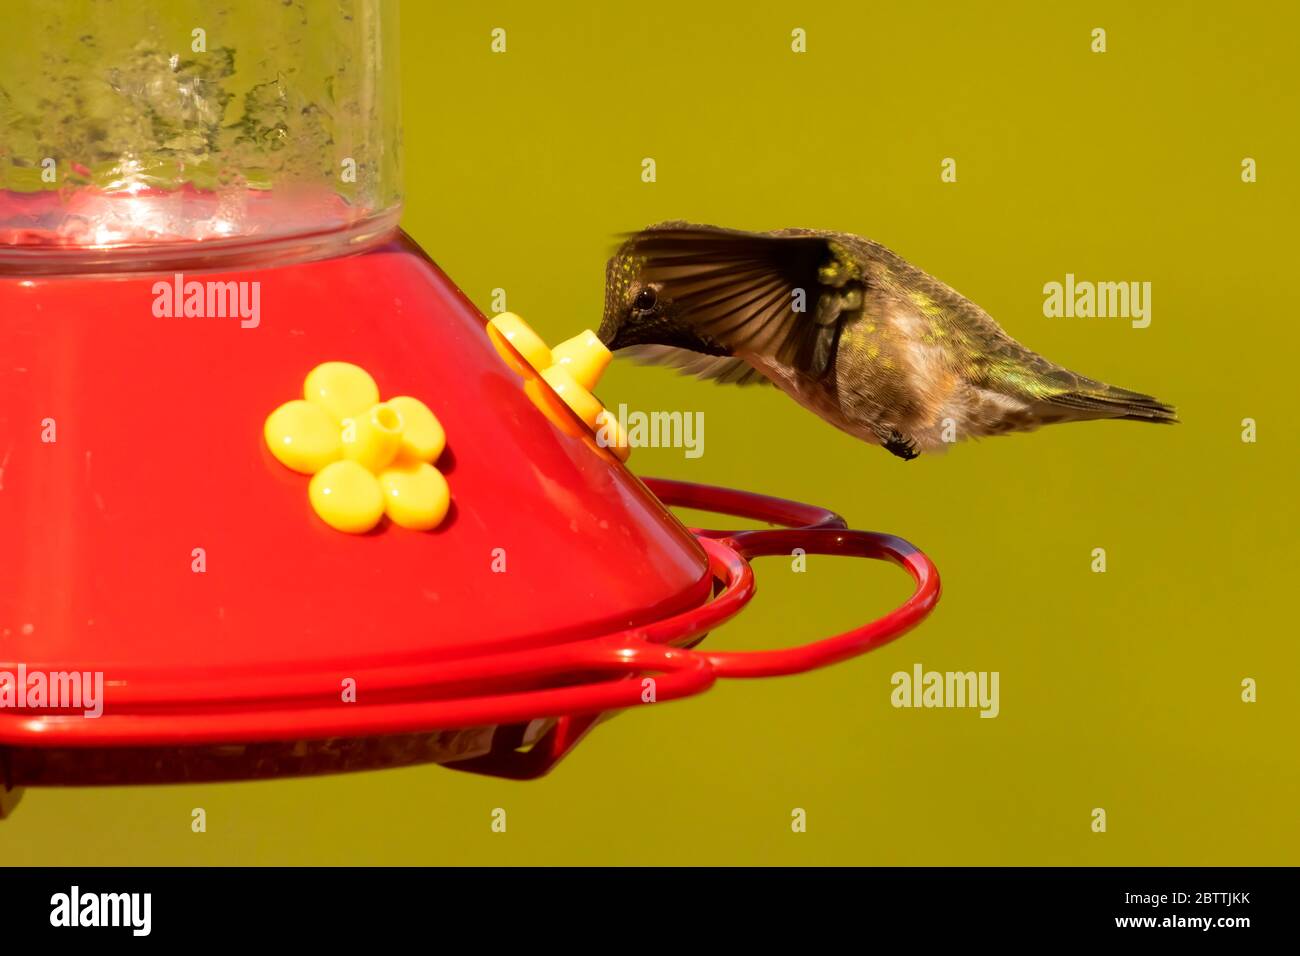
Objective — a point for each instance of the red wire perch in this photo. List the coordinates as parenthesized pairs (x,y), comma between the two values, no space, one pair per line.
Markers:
(819,531)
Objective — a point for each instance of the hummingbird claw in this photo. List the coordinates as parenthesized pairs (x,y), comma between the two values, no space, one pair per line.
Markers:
(903,447)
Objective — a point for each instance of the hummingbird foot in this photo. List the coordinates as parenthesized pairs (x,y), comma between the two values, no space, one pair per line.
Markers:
(898,444)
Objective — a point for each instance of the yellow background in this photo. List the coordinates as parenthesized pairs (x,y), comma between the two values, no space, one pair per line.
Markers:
(1118,690)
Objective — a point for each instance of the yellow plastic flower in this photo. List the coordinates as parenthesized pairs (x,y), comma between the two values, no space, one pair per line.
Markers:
(367,458)
(571,369)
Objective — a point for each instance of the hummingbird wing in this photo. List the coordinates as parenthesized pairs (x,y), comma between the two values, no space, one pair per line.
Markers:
(725,370)
(783,296)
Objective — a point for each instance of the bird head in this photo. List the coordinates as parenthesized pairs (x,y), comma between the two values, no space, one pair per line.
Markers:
(640,308)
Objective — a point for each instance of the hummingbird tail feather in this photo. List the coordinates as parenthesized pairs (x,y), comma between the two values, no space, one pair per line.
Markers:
(1096,400)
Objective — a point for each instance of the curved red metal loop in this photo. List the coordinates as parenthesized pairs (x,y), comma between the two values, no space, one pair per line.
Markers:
(741,504)
(823,533)
(859,640)
(679,674)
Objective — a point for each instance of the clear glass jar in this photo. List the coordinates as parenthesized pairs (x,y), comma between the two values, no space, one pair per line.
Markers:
(138,134)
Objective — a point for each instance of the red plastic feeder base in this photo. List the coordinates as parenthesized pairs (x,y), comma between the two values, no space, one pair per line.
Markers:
(511,733)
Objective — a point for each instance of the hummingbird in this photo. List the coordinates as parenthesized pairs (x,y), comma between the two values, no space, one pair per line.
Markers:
(848,329)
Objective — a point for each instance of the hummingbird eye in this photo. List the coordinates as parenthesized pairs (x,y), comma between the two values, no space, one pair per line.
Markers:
(645,300)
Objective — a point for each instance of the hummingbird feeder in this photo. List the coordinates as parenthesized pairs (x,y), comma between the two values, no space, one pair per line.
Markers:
(259,596)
